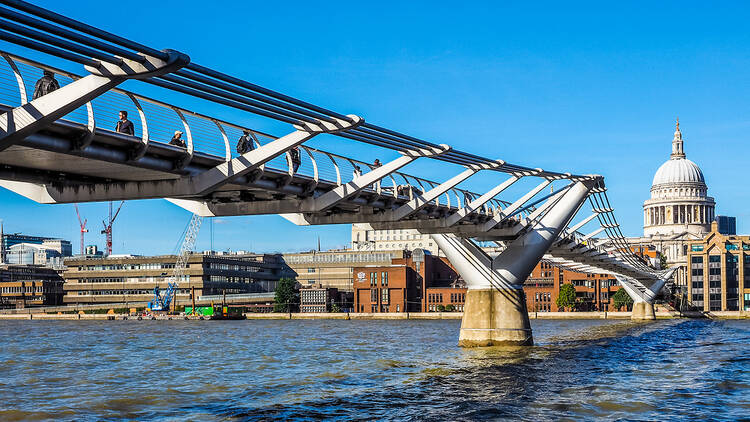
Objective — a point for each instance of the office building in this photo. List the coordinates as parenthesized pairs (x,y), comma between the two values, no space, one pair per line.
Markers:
(719,268)
(332,269)
(127,279)
(24,286)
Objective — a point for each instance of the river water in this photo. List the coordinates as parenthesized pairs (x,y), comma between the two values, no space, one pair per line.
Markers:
(364,370)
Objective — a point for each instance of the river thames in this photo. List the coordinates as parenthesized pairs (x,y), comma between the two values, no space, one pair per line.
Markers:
(362,370)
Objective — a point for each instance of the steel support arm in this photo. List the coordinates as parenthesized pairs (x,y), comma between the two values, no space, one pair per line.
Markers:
(464,212)
(421,200)
(499,217)
(343,192)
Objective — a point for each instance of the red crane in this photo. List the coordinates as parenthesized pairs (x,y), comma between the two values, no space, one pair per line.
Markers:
(82,223)
(108,226)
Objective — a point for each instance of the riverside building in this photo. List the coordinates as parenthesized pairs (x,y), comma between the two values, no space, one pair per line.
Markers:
(719,272)
(333,269)
(129,279)
(24,286)
(364,238)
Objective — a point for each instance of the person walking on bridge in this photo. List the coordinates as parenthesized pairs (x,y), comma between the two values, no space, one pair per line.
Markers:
(177,139)
(46,84)
(245,143)
(124,125)
(296,159)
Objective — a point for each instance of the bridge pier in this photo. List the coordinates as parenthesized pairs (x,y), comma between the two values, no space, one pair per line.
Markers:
(495,309)
(643,311)
(643,296)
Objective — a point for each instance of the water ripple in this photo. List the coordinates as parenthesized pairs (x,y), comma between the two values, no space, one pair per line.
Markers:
(365,370)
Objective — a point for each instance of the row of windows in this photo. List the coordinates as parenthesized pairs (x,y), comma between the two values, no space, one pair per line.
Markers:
(184,278)
(121,292)
(543,297)
(316,308)
(458,297)
(144,266)
(324,258)
(232,267)
(23,289)
(383,279)
(434,308)
(435,297)
(404,245)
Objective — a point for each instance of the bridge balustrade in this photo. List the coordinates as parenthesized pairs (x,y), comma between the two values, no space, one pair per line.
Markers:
(157,121)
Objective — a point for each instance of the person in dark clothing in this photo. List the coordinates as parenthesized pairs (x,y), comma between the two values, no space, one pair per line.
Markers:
(245,143)
(296,159)
(46,84)
(124,125)
(177,139)
(376,164)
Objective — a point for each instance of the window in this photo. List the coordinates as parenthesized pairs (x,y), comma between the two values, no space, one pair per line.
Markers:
(385,295)
(731,247)
(311,270)
(696,248)
(384,278)
(373,279)
(374,295)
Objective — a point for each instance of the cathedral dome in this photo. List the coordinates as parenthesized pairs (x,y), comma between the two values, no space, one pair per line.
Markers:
(678,170)
(679,200)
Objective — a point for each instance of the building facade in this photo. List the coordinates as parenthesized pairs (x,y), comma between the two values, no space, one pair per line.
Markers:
(593,291)
(21,249)
(24,286)
(317,298)
(127,279)
(333,269)
(364,238)
(720,272)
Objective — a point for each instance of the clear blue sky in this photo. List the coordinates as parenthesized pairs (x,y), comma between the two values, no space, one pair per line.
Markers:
(593,88)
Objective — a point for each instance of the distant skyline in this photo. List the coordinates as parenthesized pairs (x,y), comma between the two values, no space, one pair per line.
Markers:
(591,88)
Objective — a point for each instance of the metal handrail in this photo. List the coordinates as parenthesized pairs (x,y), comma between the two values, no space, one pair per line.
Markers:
(459,193)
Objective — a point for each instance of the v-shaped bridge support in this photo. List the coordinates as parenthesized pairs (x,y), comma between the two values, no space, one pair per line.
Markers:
(495,311)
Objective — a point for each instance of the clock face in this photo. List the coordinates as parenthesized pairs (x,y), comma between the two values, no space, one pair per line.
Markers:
(360,276)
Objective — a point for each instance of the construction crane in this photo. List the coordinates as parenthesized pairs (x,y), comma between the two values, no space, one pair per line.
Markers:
(84,230)
(162,302)
(108,226)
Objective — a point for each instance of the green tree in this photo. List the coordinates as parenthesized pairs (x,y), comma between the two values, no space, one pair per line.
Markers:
(450,308)
(567,297)
(335,308)
(441,308)
(663,261)
(287,296)
(621,298)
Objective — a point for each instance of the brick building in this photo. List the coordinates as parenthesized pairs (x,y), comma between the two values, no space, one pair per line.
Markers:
(407,285)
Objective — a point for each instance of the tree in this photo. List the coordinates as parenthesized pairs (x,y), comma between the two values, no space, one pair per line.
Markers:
(450,308)
(287,295)
(567,297)
(663,261)
(335,308)
(622,298)
(441,308)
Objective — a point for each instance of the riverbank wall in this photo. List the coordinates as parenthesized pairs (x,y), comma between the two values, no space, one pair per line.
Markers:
(392,316)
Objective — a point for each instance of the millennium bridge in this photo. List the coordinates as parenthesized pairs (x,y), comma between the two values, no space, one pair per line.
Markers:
(61,147)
